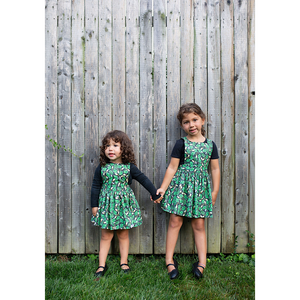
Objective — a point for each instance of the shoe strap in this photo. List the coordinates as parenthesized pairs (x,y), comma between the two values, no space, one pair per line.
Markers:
(201,266)
(101,267)
(170,265)
(124,265)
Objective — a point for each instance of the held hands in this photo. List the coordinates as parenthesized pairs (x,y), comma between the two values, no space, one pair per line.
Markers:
(161,192)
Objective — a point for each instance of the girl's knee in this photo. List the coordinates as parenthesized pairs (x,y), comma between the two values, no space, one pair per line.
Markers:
(107,235)
(175,221)
(123,234)
(198,224)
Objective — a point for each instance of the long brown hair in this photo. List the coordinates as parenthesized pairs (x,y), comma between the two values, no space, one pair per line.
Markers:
(188,108)
(121,137)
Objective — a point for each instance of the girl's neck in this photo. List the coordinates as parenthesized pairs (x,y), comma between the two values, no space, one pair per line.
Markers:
(196,138)
(115,162)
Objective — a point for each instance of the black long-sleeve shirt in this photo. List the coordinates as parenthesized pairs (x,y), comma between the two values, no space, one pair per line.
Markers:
(135,173)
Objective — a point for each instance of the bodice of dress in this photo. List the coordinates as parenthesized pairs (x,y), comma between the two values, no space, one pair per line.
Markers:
(115,174)
(197,155)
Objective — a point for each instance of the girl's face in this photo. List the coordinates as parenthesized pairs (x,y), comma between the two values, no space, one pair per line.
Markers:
(192,124)
(113,151)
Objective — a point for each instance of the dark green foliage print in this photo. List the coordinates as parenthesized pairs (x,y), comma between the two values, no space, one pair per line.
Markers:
(189,193)
(118,208)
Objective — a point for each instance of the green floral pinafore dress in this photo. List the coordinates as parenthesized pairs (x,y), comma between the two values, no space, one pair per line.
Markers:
(189,193)
(118,207)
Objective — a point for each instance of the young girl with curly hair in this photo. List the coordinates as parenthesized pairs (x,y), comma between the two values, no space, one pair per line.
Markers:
(114,206)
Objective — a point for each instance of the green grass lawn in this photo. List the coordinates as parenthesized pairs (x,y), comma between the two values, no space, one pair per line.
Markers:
(73,278)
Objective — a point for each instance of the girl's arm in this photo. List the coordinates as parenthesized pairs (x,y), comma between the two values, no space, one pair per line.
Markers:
(170,172)
(95,190)
(215,174)
(144,181)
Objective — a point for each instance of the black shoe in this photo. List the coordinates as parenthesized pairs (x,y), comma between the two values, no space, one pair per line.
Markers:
(125,270)
(102,272)
(196,271)
(174,273)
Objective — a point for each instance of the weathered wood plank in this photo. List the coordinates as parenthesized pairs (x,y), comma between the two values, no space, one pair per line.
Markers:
(118,10)
(227,152)
(241,125)
(78,188)
(187,49)
(251,92)
(173,86)
(214,114)
(146,124)
(200,55)
(64,126)
(105,67)
(132,98)
(51,121)
(160,55)
(91,157)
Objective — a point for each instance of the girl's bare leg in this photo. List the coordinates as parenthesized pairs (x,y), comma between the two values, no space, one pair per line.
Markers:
(106,237)
(123,236)
(198,226)
(175,223)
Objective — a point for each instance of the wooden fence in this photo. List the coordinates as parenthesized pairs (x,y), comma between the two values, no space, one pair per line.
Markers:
(129,65)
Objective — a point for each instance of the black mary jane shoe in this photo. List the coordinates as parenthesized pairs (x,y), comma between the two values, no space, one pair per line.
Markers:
(196,271)
(125,270)
(102,272)
(174,273)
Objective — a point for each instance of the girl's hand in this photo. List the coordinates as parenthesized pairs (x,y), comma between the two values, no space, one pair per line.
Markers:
(161,192)
(214,197)
(94,211)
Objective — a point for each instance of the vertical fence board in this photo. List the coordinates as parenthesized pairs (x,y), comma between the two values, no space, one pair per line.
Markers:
(251,82)
(173,85)
(146,124)
(64,126)
(187,47)
(105,67)
(91,117)
(160,55)
(227,152)
(200,54)
(214,113)
(119,10)
(78,188)
(132,97)
(241,124)
(51,121)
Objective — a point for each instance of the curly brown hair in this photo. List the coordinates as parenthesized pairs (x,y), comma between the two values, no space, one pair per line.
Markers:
(188,108)
(127,154)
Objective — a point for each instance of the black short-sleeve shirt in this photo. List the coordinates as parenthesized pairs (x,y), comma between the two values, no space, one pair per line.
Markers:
(178,151)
